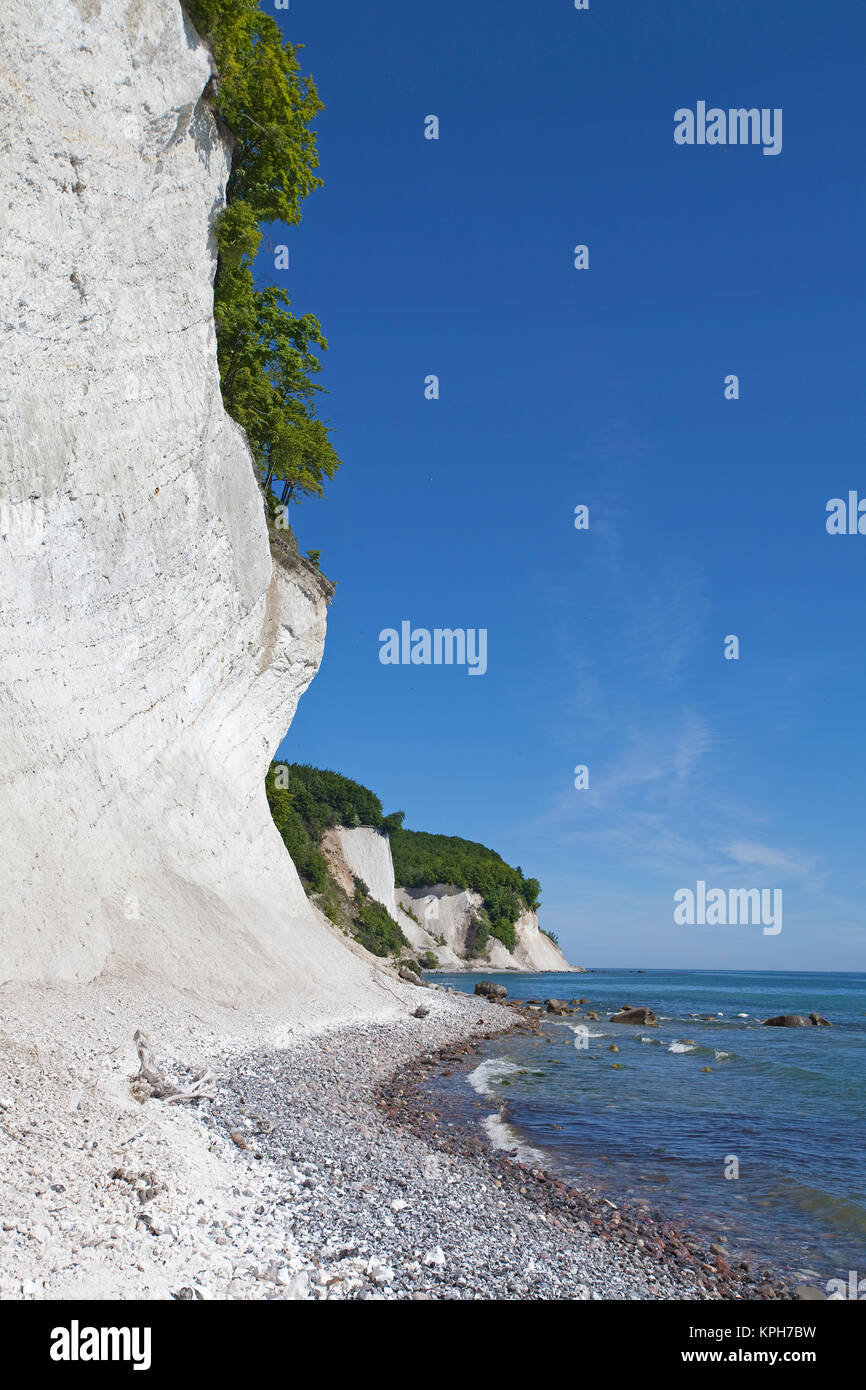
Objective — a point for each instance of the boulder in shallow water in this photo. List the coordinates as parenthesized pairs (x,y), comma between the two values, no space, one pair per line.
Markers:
(491,989)
(787,1021)
(556,1006)
(643,1015)
(820,1022)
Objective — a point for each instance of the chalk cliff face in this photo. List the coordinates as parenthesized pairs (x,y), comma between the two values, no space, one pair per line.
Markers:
(152,651)
(444,913)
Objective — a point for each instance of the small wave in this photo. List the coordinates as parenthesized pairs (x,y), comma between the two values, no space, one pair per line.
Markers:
(681,1047)
(485,1076)
(720,1055)
(502,1136)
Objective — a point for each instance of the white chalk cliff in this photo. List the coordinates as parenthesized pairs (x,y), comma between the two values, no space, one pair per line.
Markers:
(444,913)
(152,651)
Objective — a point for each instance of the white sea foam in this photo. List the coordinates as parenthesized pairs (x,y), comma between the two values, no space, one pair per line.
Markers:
(485,1076)
(502,1136)
(680,1047)
(720,1055)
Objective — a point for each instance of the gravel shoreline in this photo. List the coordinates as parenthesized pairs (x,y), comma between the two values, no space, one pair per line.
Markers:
(380,1198)
(326,1164)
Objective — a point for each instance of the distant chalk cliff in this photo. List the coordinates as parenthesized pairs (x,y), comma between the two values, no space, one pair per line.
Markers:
(443,918)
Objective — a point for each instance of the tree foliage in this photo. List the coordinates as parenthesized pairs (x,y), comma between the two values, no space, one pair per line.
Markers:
(266,104)
(266,355)
(392,822)
(267,363)
(314,800)
(303,847)
(322,799)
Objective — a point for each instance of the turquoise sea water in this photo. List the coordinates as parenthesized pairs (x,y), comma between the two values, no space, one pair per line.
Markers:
(789,1104)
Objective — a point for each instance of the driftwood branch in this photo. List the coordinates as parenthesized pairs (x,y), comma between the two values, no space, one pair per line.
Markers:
(152,1083)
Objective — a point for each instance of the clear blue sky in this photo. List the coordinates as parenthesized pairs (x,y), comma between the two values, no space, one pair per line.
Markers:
(604,387)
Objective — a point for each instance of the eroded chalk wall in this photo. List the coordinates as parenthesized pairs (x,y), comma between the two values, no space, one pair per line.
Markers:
(151,654)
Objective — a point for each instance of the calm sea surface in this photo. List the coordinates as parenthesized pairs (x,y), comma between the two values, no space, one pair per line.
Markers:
(788,1104)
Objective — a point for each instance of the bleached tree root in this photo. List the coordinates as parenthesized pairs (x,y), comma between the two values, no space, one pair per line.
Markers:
(150,1083)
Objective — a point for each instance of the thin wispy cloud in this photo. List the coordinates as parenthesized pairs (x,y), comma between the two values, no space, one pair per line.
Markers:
(746,854)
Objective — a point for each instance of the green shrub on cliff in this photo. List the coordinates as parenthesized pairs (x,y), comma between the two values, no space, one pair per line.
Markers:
(309,860)
(266,104)
(266,355)
(373,925)
(322,799)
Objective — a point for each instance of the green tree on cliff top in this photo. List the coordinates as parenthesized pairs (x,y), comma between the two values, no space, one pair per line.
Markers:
(266,354)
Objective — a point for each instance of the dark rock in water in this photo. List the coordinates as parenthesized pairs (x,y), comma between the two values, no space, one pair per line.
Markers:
(534,1001)
(491,989)
(820,1022)
(583,1001)
(807,1293)
(787,1021)
(556,1006)
(630,1015)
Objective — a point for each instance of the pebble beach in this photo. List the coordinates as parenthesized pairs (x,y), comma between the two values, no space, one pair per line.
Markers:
(390,1200)
(318,1163)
